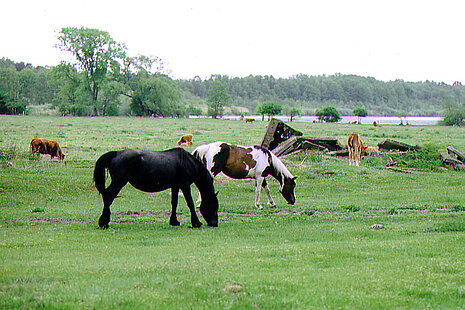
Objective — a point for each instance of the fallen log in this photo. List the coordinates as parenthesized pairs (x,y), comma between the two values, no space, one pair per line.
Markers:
(452,162)
(459,156)
(276,133)
(390,145)
(330,144)
(288,146)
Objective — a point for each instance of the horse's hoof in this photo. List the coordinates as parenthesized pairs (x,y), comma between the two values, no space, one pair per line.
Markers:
(259,207)
(196,225)
(175,223)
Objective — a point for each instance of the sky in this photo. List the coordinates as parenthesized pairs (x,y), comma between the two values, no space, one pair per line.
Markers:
(412,40)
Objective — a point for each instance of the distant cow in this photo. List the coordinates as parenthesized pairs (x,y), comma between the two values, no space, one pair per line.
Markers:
(357,149)
(249,120)
(185,140)
(46,147)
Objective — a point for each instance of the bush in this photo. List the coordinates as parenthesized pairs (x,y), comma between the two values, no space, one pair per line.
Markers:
(454,117)
(10,106)
(427,158)
(328,114)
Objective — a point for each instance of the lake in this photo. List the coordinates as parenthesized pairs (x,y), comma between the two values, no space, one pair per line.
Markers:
(391,120)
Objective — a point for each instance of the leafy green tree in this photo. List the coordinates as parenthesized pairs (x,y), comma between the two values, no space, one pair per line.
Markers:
(96,53)
(71,98)
(328,114)
(11,106)
(217,99)
(453,113)
(360,112)
(156,96)
(291,111)
(269,108)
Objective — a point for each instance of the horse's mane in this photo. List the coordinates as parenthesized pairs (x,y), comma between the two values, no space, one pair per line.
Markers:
(200,169)
(275,163)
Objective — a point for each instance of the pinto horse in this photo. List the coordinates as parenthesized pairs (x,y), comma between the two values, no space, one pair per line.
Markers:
(250,162)
(152,171)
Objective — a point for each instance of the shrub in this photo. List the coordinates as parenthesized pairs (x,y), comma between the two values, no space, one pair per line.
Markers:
(328,114)
(427,158)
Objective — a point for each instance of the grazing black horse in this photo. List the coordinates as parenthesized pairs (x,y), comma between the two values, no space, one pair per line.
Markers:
(151,171)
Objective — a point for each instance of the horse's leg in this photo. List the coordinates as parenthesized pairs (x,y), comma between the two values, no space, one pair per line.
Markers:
(108,196)
(186,190)
(258,186)
(268,194)
(174,204)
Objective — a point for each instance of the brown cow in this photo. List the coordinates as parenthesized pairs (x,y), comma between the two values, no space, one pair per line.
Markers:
(186,140)
(249,120)
(375,124)
(46,147)
(357,149)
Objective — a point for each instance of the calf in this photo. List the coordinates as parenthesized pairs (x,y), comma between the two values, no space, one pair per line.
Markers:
(186,140)
(356,148)
(46,147)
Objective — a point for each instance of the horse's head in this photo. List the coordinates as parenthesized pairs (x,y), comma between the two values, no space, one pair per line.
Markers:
(287,190)
(209,210)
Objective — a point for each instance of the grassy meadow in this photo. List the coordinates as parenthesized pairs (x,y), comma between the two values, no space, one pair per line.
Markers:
(319,253)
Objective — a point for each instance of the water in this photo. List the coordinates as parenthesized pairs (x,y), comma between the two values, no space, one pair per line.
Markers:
(391,120)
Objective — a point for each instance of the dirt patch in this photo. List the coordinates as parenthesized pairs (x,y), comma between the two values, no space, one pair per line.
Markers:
(47,220)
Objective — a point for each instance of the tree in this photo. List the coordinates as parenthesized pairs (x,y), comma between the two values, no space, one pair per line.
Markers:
(96,53)
(72,98)
(217,99)
(156,96)
(11,106)
(269,108)
(453,113)
(328,114)
(291,111)
(360,112)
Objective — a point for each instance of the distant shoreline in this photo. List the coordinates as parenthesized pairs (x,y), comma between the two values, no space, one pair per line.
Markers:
(386,120)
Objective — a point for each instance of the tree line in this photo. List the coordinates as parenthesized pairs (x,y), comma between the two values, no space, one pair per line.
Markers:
(345,92)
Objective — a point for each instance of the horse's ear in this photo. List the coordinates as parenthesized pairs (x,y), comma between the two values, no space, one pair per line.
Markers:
(294,178)
(216,194)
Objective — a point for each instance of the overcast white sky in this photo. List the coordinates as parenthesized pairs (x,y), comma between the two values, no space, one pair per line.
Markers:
(413,40)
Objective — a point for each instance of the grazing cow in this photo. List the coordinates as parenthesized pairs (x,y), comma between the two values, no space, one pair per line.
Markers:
(356,148)
(46,147)
(249,120)
(375,124)
(186,140)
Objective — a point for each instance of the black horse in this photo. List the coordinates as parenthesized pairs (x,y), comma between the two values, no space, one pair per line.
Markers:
(151,171)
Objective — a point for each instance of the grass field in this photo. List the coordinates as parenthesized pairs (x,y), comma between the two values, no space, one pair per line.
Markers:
(319,253)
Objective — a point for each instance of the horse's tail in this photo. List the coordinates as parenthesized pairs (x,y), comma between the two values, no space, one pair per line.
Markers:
(99,171)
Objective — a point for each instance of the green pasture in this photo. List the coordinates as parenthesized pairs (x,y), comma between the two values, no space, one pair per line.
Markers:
(319,253)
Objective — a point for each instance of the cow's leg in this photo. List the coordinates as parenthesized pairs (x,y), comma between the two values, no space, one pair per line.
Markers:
(108,196)
(268,194)
(186,190)
(357,156)
(174,204)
